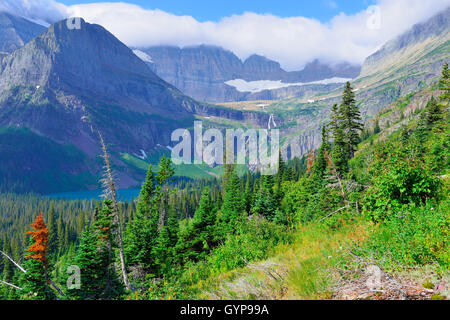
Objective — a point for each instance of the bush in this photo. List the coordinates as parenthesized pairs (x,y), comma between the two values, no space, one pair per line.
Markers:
(401,183)
(253,241)
(414,236)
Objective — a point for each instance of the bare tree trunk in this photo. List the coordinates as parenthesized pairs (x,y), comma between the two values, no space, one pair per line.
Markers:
(11,285)
(25,271)
(110,189)
(15,263)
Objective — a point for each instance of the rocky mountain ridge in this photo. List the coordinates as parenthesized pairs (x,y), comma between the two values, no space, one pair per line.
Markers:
(202,72)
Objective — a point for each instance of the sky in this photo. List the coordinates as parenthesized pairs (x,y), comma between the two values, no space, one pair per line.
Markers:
(214,10)
(292,32)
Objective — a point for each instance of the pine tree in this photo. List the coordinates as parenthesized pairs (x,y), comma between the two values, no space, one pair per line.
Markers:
(143,230)
(61,228)
(198,238)
(320,166)
(233,205)
(248,193)
(350,121)
(265,200)
(433,113)
(162,251)
(444,84)
(53,231)
(104,227)
(173,228)
(164,177)
(345,125)
(93,269)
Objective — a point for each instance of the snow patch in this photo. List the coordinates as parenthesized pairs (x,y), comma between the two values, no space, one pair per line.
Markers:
(143,56)
(261,85)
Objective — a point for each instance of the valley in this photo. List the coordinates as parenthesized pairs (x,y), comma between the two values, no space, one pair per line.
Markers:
(356,209)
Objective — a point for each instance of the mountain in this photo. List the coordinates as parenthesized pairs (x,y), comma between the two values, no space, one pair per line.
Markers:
(63,87)
(15,32)
(203,72)
(402,67)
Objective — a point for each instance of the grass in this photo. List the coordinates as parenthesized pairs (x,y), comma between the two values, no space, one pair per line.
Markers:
(303,269)
(192,171)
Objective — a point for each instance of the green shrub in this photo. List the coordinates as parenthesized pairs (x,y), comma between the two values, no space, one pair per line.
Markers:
(400,184)
(253,241)
(414,236)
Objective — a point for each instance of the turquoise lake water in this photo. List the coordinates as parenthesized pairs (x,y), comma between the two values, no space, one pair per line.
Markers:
(122,195)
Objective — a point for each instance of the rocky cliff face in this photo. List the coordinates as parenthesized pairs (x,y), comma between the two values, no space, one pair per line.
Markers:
(201,72)
(15,32)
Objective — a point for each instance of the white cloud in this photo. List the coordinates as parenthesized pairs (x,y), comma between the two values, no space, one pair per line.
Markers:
(292,41)
(43,12)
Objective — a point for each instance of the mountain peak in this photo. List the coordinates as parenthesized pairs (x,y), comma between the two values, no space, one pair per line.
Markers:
(435,28)
(88,59)
(16,31)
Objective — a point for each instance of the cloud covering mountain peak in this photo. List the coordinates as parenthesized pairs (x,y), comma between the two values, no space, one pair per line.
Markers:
(293,41)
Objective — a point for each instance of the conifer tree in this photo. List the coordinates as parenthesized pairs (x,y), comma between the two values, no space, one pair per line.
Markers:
(53,231)
(233,205)
(93,269)
(320,166)
(350,121)
(265,200)
(35,282)
(173,228)
(248,193)
(199,237)
(143,230)
(162,251)
(164,177)
(104,227)
(444,84)
(433,113)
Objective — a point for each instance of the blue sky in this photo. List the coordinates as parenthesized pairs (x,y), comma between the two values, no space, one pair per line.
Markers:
(214,10)
(292,32)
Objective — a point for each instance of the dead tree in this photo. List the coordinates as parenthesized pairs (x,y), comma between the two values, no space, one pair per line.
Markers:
(25,271)
(111,193)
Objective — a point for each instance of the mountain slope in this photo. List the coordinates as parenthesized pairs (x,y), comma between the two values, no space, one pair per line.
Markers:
(66,85)
(203,72)
(15,32)
(404,65)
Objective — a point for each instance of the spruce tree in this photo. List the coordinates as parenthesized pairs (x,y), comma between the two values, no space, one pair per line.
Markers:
(444,84)
(164,178)
(105,228)
(433,113)
(162,251)
(198,238)
(233,205)
(265,200)
(320,166)
(350,121)
(53,231)
(345,125)
(93,269)
(142,232)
